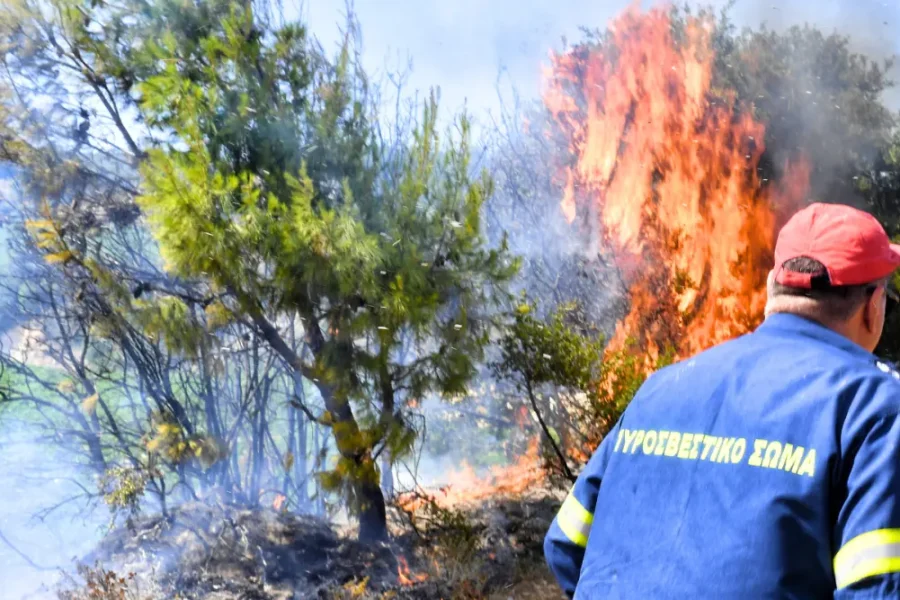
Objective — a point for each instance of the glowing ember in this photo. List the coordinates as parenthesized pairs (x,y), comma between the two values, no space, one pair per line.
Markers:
(466,486)
(407,578)
(665,170)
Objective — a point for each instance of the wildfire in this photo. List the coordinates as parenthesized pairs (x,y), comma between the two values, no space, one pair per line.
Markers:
(466,486)
(664,169)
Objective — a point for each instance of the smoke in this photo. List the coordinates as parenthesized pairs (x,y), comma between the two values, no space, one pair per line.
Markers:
(46,522)
(468,47)
(487,56)
(871,25)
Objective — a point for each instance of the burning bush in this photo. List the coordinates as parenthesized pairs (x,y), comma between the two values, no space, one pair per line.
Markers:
(574,388)
(664,167)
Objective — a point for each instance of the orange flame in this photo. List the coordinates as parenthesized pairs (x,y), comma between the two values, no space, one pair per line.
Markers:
(405,577)
(665,170)
(466,486)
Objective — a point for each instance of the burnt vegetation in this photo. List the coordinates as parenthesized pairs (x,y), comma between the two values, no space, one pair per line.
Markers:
(248,308)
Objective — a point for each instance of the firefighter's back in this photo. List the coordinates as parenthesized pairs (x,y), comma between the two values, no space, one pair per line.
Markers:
(719,483)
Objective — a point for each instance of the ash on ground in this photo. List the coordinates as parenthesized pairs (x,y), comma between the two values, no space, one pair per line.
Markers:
(219,552)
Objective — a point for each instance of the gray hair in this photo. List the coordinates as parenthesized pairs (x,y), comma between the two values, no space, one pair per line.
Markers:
(823,301)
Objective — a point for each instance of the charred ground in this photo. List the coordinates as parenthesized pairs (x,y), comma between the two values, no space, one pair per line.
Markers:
(214,551)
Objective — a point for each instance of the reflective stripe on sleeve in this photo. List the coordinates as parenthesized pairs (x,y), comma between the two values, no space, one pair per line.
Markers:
(872,553)
(575,521)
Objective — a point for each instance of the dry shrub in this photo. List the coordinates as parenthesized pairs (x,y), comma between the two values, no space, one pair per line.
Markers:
(451,549)
(102,584)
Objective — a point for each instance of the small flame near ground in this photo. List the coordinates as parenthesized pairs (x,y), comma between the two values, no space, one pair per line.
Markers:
(664,172)
(466,486)
(405,577)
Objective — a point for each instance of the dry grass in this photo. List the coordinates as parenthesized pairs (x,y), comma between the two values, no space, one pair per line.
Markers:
(535,584)
(97,583)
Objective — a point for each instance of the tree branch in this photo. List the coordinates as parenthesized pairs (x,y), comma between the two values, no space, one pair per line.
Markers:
(540,418)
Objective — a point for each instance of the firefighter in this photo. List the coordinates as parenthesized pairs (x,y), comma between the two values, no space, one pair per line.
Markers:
(767,466)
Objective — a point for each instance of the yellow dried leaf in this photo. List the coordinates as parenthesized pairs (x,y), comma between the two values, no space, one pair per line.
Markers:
(59,257)
(46,239)
(288,461)
(39,224)
(357,589)
(65,386)
(89,404)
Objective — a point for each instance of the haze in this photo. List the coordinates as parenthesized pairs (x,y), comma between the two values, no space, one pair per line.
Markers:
(468,46)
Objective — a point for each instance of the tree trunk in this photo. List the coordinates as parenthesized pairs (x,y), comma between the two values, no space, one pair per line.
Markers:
(217,473)
(537,411)
(256,439)
(387,423)
(372,511)
(344,427)
(371,506)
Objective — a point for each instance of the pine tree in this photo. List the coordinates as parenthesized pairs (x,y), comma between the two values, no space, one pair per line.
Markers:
(275,191)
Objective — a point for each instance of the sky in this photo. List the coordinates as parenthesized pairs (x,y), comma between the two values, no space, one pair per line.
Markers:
(467,46)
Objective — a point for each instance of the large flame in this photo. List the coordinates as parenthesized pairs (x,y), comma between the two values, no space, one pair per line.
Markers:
(665,170)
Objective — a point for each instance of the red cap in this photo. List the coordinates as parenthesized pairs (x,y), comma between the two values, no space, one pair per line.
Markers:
(851,244)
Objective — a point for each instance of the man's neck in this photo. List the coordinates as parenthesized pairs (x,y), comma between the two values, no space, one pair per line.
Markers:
(844,329)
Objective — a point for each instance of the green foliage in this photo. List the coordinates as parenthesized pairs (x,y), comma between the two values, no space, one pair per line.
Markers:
(576,388)
(275,192)
(294,242)
(817,97)
(562,351)
(557,353)
(168,319)
(123,488)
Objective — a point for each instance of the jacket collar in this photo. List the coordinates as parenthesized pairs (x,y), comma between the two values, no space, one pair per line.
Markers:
(783,323)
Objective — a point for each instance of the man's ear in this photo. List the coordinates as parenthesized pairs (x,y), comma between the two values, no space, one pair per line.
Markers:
(873,305)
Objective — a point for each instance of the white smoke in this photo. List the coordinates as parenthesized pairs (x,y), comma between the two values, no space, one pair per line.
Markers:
(47,521)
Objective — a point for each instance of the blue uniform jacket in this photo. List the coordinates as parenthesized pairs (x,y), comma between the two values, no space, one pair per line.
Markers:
(766,467)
